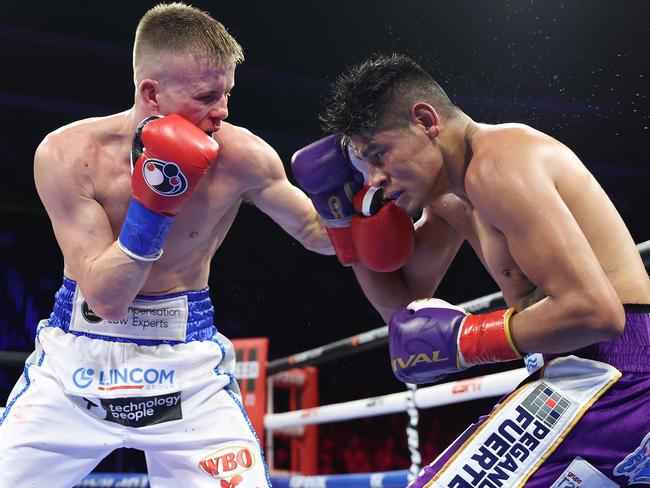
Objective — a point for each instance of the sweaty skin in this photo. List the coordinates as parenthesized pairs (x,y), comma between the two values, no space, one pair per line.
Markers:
(83,176)
(538,220)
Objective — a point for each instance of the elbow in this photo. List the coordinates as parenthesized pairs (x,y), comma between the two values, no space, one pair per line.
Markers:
(104,300)
(113,314)
(107,310)
(317,245)
(606,319)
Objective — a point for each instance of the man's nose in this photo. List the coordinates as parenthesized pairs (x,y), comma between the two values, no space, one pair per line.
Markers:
(378,178)
(220,109)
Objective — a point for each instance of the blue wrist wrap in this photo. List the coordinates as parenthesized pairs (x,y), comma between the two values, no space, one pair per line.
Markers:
(143,232)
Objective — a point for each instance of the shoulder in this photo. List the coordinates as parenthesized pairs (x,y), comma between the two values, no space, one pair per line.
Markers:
(505,154)
(246,154)
(503,140)
(65,157)
(509,169)
(73,142)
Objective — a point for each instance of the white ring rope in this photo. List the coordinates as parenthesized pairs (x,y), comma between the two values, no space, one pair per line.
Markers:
(442,394)
(432,396)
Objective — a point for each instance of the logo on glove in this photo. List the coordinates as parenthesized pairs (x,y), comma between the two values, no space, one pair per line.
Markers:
(336,207)
(164,178)
(415,359)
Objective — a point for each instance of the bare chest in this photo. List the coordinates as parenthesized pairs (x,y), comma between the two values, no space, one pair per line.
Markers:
(203,221)
(489,244)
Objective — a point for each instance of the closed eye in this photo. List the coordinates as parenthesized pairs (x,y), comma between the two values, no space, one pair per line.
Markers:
(207,98)
(375,159)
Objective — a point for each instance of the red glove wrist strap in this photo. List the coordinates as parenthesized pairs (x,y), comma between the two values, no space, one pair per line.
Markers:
(486,338)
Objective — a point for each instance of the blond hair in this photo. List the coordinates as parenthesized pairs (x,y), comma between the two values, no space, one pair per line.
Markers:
(183,30)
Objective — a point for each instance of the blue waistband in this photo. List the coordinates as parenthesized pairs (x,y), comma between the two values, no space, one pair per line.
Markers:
(200,326)
(629,352)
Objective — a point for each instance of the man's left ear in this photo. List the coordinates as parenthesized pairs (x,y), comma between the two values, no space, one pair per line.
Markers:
(148,92)
(425,115)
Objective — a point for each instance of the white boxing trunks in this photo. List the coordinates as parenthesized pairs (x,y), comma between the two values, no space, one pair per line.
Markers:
(159,380)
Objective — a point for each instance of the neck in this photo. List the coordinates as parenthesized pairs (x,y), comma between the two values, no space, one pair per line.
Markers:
(134,116)
(458,152)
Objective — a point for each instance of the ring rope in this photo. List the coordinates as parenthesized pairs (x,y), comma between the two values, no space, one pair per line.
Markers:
(379,336)
(385,479)
(350,345)
(432,396)
(440,394)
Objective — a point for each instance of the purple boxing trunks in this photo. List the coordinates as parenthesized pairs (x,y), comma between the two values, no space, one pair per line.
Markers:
(576,423)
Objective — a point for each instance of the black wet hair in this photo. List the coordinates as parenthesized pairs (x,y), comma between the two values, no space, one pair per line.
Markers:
(382,86)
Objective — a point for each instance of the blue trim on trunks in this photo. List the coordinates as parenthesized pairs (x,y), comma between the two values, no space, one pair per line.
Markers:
(200,321)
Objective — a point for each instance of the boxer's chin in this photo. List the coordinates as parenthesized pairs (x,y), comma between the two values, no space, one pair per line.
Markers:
(405,202)
(410,206)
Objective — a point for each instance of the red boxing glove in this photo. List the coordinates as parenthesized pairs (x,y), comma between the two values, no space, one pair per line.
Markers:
(325,170)
(343,244)
(169,157)
(383,233)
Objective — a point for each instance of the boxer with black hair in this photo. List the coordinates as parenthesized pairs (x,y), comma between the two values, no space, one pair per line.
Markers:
(573,281)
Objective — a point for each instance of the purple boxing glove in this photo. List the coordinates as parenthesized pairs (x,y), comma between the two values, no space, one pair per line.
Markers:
(432,338)
(325,170)
(422,341)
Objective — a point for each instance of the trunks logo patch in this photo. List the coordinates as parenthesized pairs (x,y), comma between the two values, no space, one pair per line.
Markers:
(511,442)
(546,404)
(124,379)
(636,465)
(533,362)
(138,411)
(88,314)
(228,464)
(581,474)
(159,319)
(163,177)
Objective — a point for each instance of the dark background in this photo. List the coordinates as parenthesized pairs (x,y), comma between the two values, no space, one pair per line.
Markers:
(577,70)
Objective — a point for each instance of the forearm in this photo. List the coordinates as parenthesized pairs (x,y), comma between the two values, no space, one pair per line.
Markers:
(385,291)
(314,238)
(556,325)
(111,281)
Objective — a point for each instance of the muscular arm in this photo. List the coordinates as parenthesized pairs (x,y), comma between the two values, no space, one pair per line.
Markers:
(580,307)
(108,278)
(436,244)
(286,204)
